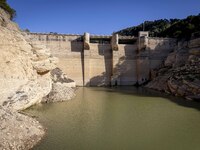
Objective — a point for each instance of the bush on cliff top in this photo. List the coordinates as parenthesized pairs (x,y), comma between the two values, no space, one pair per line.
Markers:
(175,28)
(7,8)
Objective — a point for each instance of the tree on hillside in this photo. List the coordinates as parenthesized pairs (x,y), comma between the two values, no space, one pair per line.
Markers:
(7,8)
(175,28)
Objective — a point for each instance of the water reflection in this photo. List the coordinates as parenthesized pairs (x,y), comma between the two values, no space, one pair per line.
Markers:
(120,118)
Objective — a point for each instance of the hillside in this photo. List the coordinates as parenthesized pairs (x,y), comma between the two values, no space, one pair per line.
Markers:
(174,28)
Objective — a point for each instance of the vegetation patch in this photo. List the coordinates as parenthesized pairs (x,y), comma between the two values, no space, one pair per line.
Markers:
(7,8)
(172,28)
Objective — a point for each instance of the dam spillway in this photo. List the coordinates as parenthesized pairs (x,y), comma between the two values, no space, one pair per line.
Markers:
(99,60)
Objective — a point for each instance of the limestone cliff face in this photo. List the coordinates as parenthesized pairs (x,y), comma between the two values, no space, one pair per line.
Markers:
(6,22)
(25,79)
(180,73)
(21,86)
(24,71)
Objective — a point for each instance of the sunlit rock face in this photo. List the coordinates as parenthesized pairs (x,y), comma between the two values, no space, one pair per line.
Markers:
(25,79)
(24,71)
(62,87)
(180,74)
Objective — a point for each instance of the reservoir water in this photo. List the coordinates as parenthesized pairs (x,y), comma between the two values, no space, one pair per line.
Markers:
(119,119)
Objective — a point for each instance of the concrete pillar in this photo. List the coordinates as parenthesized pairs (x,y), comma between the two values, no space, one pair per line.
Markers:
(143,33)
(86,60)
(114,42)
(115,80)
(142,40)
(143,63)
(86,41)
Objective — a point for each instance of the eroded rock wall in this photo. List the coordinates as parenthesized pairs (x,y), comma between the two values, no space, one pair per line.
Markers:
(24,82)
(180,73)
(25,79)
(24,68)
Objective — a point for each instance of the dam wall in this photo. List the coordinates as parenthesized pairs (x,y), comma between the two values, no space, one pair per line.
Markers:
(94,60)
(152,52)
(68,48)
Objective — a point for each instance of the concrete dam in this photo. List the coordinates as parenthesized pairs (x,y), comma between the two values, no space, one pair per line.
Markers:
(92,60)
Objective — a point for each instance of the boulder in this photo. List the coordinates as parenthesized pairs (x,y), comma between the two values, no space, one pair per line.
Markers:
(44,66)
(170,59)
(60,92)
(62,88)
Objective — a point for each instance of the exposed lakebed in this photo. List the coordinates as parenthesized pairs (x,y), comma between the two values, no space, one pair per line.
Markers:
(119,118)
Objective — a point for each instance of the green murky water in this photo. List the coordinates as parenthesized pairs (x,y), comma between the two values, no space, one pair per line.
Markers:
(120,119)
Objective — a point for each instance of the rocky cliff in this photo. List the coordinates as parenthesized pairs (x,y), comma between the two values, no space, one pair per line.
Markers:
(180,73)
(25,69)
(26,79)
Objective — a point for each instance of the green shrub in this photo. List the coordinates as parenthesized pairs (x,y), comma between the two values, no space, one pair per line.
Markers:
(175,28)
(7,8)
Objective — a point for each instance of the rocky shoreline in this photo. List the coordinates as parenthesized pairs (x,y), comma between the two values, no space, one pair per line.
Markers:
(180,73)
(28,76)
(18,131)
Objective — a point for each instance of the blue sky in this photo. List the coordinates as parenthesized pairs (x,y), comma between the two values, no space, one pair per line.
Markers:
(96,16)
